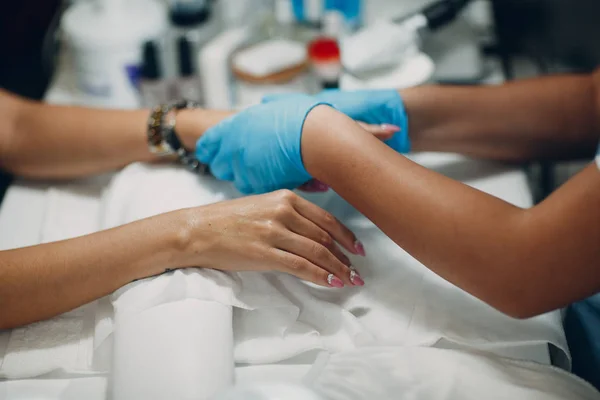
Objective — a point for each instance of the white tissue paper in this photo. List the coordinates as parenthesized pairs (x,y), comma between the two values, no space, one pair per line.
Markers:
(382,44)
(206,320)
(419,373)
(65,342)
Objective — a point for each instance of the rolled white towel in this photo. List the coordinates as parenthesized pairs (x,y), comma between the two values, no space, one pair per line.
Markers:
(66,342)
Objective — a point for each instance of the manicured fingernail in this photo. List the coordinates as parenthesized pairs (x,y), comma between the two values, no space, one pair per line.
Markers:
(390,127)
(360,249)
(334,281)
(308,189)
(314,186)
(320,186)
(355,278)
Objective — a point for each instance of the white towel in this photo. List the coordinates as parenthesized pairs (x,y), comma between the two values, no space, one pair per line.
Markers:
(276,316)
(415,373)
(450,318)
(66,341)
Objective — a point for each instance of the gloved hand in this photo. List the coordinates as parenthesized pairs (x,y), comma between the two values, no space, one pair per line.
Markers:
(259,148)
(370,106)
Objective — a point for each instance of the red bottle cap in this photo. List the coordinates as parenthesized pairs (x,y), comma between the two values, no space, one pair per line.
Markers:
(324,49)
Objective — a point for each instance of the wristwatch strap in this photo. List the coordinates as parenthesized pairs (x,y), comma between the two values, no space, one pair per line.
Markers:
(163,139)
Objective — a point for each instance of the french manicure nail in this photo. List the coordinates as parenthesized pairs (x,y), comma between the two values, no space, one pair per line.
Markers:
(390,127)
(334,281)
(360,249)
(355,278)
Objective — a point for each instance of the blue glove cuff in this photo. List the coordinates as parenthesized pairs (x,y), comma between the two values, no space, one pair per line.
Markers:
(373,107)
(298,161)
(369,106)
(401,140)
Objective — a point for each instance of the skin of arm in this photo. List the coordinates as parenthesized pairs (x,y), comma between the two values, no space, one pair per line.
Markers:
(553,118)
(44,141)
(39,140)
(41,281)
(277,231)
(522,262)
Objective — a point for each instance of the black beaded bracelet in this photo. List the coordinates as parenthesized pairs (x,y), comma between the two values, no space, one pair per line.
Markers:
(163,139)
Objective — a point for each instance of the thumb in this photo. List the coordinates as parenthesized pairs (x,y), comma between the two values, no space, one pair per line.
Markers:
(208,145)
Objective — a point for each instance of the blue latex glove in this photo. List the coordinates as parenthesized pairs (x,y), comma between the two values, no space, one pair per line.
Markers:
(370,106)
(259,148)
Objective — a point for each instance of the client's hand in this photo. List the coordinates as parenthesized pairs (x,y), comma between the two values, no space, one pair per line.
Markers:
(277,231)
(259,148)
(381,107)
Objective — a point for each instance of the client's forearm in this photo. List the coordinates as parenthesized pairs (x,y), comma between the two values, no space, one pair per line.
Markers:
(553,117)
(41,281)
(48,141)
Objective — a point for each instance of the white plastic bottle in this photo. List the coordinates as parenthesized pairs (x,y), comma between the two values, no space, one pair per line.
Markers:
(106,39)
(215,70)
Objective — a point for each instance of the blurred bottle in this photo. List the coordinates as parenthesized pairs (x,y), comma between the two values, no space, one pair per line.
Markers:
(187,85)
(334,25)
(194,20)
(325,60)
(214,62)
(188,13)
(234,14)
(351,10)
(282,23)
(154,89)
(324,52)
(274,60)
(312,12)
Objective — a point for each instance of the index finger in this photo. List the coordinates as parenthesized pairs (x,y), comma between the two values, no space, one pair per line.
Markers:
(382,131)
(329,224)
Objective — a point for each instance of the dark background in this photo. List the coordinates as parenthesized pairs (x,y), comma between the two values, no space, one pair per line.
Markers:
(26,48)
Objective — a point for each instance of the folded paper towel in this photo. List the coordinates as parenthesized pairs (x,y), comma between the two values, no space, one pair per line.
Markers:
(270,317)
(65,342)
(438,374)
(276,315)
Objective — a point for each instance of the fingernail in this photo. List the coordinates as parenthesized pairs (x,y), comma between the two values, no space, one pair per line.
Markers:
(309,189)
(314,186)
(355,278)
(334,281)
(390,127)
(360,249)
(319,186)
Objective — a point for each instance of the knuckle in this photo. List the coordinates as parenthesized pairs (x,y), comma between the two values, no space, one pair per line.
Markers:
(286,195)
(283,210)
(326,240)
(321,252)
(272,230)
(298,264)
(329,219)
(320,276)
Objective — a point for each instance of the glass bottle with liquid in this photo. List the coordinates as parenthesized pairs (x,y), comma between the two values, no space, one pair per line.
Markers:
(275,58)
